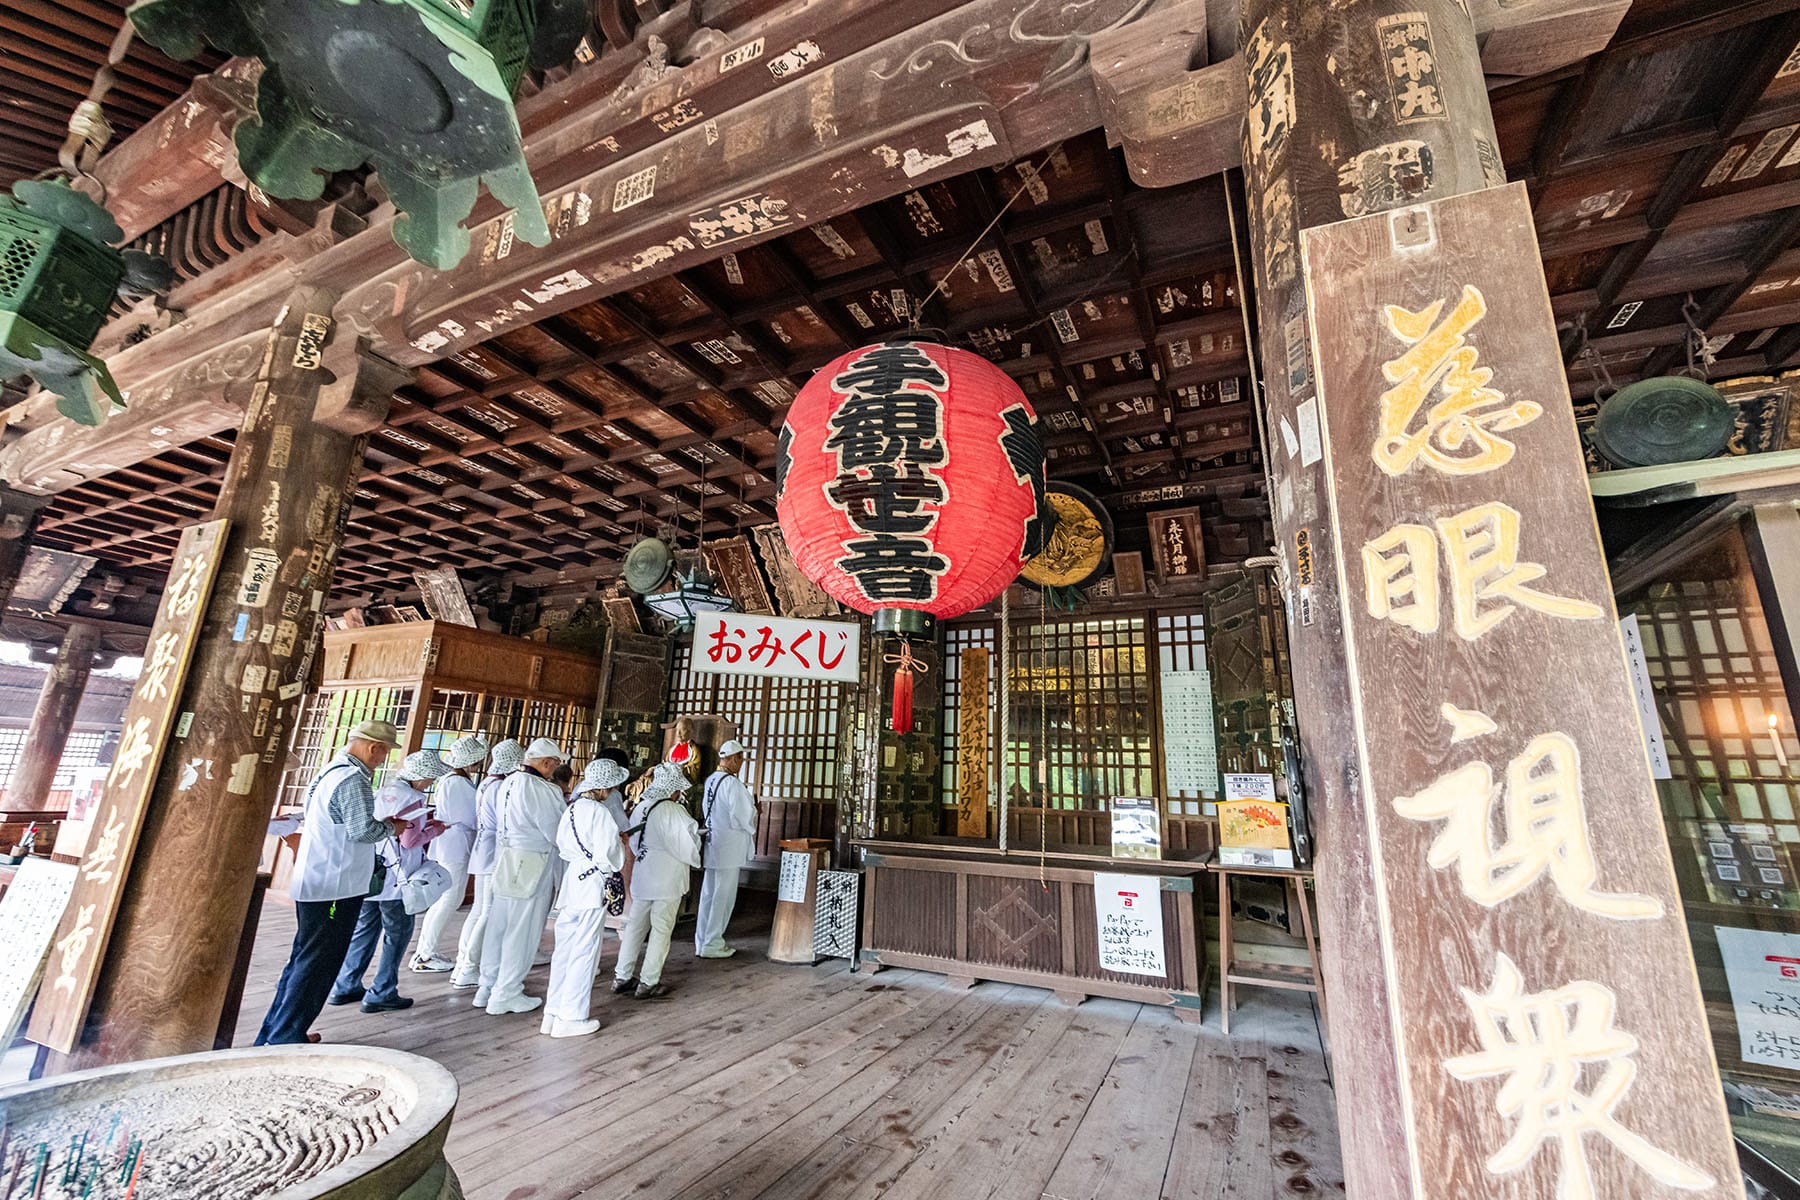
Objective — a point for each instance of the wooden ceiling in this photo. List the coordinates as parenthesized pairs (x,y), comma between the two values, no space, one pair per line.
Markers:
(1665,173)
(49,51)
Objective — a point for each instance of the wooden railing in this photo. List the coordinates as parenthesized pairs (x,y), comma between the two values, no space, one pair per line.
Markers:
(1184,838)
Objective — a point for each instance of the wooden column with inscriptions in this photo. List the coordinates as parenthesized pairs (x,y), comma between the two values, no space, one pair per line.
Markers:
(48,732)
(1514,1007)
(287,496)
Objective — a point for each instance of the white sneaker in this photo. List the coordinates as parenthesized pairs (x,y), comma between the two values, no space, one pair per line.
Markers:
(721,952)
(462,983)
(434,963)
(518,1004)
(559,1028)
(481,997)
(542,960)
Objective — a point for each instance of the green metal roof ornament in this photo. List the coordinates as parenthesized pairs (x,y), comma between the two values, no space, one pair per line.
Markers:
(421,90)
(59,276)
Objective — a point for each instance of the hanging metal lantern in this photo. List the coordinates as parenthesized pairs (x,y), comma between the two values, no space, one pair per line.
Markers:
(59,276)
(910,485)
(421,90)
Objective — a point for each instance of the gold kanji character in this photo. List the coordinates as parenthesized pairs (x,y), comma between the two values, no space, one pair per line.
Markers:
(1481,549)
(102,860)
(1542,1042)
(184,584)
(1544,826)
(153,684)
(1459,435)
(134,749)
(1401,577)
(73,947)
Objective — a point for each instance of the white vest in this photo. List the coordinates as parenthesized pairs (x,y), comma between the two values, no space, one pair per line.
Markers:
(329,866)
(729,811)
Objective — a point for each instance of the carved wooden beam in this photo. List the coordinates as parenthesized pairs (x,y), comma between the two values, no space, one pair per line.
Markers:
(977,85)
(1178,119)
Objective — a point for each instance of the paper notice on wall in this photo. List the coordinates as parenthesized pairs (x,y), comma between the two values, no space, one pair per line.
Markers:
(791,887)
(1128,918)
(1190,741)
(29,914)
(1763,971)
(1645,695)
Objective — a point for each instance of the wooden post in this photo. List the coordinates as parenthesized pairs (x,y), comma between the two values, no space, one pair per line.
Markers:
(287,492)
(51,719)
(1773,538)
(1458,943)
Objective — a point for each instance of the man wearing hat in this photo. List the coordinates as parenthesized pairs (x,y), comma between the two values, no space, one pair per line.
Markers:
(384,915)
(665,841)
(528,811)
(454,805)
(508,757)
(728,832)
(333,871)
(588,840)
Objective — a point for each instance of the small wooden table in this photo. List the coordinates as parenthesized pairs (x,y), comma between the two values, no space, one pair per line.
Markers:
(1265,974)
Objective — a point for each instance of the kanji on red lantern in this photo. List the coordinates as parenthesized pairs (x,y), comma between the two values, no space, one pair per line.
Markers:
(911,475)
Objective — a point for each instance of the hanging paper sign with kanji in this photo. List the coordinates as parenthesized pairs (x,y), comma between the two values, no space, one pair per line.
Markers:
(911,476)
(80,946)
(731,643)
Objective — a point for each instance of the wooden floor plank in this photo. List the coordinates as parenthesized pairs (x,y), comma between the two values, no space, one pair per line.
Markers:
(766,1081)
(1122,1145)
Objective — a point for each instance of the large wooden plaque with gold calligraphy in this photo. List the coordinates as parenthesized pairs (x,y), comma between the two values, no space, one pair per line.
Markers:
(150,719)
(1542,988)
(974,745)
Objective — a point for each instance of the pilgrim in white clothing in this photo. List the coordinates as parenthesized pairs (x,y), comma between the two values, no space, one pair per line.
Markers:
(588,840)
(528,811)
(728,819)
(454,806)
(384,917)
(507,758)
(665,841)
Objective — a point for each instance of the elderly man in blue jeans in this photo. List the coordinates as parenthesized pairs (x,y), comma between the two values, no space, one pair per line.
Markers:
(333,872)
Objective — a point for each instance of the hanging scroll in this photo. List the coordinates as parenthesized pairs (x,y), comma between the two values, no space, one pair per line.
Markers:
(973,745)
(149,719)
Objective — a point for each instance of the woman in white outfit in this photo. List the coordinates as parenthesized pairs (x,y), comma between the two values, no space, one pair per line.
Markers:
(454,806)
(665,840)
(588,840)
(506,759)
(528,811)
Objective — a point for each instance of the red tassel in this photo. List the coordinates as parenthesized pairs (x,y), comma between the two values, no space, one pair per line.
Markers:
(903,696)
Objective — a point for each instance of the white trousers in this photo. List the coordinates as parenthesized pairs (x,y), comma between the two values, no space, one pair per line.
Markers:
(578,937)
(437,917)
(648,927)
(515,927)
(718,896)
(474,930)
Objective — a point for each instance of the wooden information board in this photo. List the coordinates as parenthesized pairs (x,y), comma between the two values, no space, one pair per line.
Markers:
(1523,881)
(150,719)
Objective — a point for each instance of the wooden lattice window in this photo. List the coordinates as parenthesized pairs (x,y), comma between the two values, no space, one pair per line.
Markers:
(1081,703)
(958,638)
(790,724)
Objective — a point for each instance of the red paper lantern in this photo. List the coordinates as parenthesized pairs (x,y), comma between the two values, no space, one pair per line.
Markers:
(910,480)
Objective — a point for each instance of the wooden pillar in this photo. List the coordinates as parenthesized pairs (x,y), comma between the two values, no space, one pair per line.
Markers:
(1773,538)
(287,495)
(50,720)
(1397,552)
